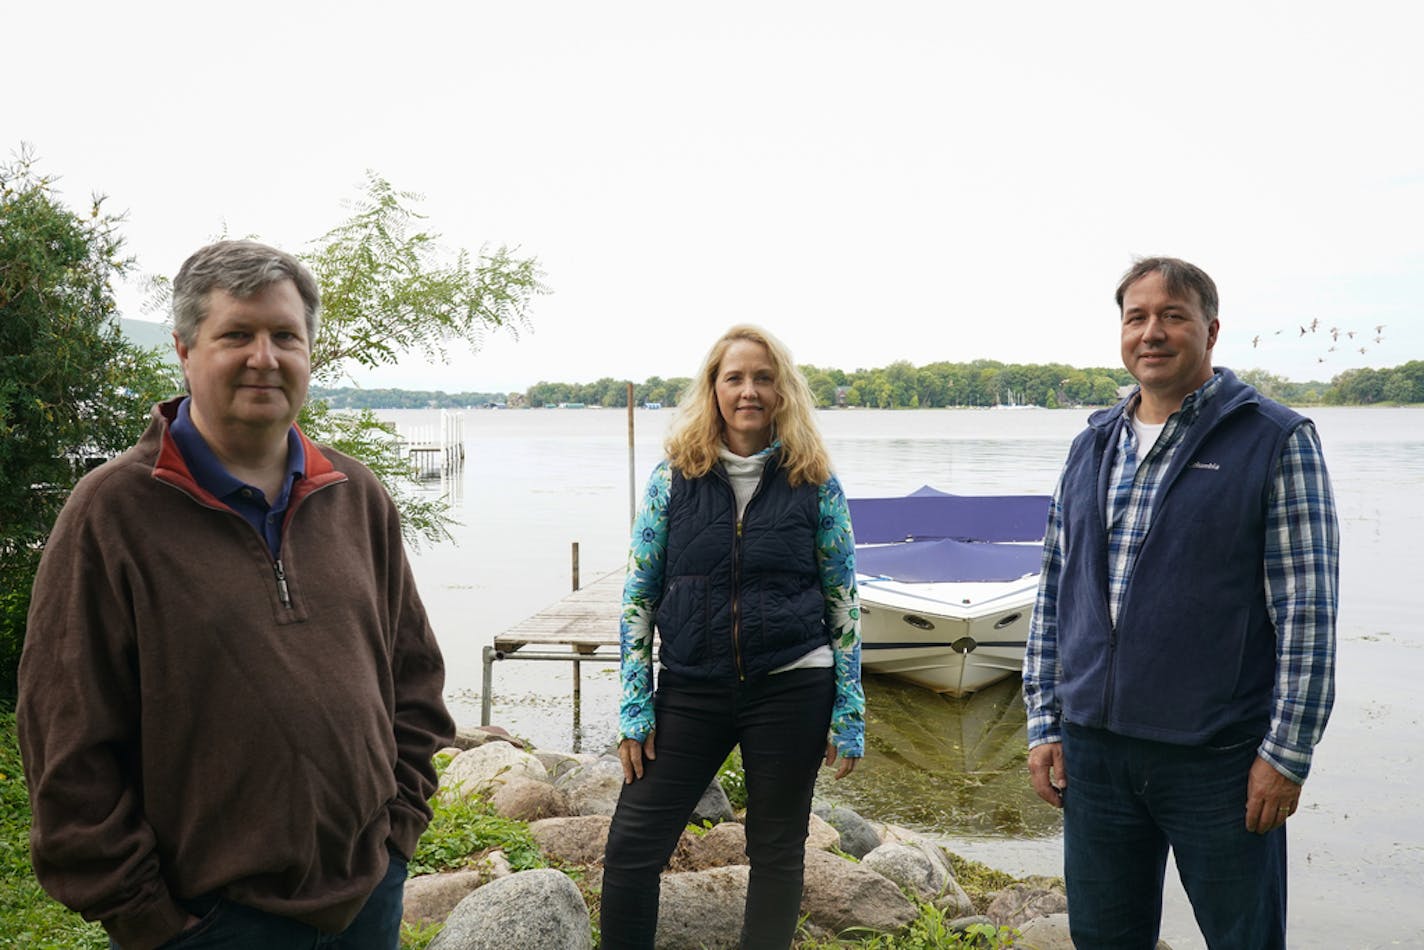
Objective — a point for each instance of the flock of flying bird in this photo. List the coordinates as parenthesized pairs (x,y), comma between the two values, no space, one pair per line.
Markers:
(1335,333)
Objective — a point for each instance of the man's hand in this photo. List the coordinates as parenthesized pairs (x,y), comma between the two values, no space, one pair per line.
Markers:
(1045,769)
(1271,797)
(631,753)
(847,762)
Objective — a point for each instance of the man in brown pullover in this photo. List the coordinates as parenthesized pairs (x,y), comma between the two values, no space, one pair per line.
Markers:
(229,692)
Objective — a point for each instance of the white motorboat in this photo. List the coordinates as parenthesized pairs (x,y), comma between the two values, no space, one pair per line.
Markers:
(947,584)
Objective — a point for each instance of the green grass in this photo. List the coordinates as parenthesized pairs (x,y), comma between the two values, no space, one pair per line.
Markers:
(28,916)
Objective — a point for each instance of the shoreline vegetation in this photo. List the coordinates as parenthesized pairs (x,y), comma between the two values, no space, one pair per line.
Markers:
(902,385)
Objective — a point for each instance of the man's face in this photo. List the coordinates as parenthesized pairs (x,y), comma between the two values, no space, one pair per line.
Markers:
(249,364)
(1166,340)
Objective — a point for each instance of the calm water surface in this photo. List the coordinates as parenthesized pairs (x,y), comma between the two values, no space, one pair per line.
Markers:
(536,481)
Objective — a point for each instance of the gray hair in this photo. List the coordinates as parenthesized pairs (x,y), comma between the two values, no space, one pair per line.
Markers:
(242,268)
(1179,277)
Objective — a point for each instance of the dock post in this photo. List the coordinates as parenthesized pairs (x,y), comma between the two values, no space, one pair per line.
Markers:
(578,683)
(487,684)
(578,708)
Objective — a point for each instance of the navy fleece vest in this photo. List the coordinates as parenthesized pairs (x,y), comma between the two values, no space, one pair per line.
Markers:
(1194,651)
(736,608)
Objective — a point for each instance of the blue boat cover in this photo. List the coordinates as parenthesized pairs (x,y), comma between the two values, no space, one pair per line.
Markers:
(927,562)
(929,514)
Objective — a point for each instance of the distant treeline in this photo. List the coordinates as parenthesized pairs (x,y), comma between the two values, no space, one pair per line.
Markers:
(902,385)
(347,397)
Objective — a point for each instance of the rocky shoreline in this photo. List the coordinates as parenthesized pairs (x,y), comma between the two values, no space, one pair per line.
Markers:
(860,874)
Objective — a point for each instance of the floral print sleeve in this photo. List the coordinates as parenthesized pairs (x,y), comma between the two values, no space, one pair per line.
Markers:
(641,591)
(835,553)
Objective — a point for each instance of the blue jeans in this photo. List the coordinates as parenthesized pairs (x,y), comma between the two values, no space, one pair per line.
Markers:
(780,721)
(228,926)
(1127,801)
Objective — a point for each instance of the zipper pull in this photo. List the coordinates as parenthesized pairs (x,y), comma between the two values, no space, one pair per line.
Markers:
(282,591)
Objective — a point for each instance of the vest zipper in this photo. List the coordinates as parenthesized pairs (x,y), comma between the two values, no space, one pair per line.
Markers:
(737,567)
(737,600)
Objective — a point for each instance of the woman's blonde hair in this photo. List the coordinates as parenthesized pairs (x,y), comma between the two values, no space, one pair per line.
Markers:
(695,439)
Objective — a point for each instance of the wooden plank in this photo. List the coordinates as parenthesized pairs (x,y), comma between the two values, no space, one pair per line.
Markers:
(582,620)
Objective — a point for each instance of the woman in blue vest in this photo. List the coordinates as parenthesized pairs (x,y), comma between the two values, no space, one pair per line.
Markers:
(744,560)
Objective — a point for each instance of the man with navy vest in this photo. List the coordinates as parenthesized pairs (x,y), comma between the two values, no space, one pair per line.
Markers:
(1180,665)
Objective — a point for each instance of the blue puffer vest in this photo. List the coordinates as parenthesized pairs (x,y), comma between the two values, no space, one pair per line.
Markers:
(1194,651)
(737,606)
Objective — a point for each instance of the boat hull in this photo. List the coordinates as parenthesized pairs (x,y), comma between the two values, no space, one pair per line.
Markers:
(952,638)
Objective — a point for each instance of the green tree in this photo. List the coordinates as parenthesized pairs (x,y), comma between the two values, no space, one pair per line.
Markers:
(388,289)
(71,388)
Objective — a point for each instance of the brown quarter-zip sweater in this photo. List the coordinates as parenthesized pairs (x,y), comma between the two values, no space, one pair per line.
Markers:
(198,718)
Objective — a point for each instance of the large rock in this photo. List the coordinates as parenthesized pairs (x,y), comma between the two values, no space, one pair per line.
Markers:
(931,849)
(472,737)
(841,894)
(821,836)
(701,909)
(713,807)
(909,868)
(722,845)
(560,762)
(1019,903)
(858,838)
(578,840)
(954,901)
(477,771)
(430,898)
(1051,933)
(524,799)
(539,908)
(593,788)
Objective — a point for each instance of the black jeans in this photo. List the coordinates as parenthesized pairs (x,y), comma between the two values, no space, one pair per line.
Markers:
(780,721)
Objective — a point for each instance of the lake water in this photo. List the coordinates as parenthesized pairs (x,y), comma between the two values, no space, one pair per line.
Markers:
(536,481)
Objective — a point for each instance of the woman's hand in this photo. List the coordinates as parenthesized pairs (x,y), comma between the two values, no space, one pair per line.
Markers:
(631,753)
(847,762)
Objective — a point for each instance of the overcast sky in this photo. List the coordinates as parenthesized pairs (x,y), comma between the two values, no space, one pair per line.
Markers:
(871,182)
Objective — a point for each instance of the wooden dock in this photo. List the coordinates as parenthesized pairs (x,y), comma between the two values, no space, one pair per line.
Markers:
(580,627)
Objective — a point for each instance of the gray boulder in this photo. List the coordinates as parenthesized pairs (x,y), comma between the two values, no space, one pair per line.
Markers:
(821,836)
(472,737)
(524,799)
(430,898)
(713,807)
(1019,903)
(909,868)
(1051,933)
(858,838)
(593,787)
(578,841)
(701,909)
(720,846)
(476,771)
(560,762)
(539,908)
(841,894)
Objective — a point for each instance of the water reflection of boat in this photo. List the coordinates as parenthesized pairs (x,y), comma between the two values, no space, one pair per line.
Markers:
(947,585)
(948,766)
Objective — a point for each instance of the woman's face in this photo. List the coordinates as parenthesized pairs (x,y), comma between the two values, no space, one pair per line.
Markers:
(746,396)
